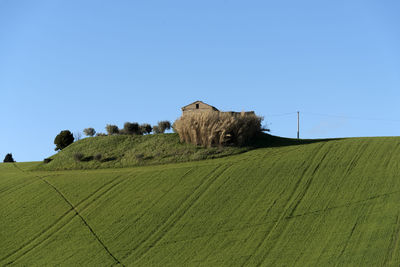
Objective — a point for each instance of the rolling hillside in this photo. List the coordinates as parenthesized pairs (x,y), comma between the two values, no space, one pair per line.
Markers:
(119,151)
(327,203)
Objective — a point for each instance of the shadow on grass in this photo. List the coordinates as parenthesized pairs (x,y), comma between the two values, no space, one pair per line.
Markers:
(108,159)
(89,158)
(266,140)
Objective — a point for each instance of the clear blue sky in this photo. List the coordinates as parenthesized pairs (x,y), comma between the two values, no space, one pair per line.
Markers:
(77,64)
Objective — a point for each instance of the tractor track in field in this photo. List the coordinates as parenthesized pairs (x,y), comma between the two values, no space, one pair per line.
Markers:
(157,234)
(348,240)
(294,203)
(394,243)
(74,209)
(249,226)
(307,186)
(289,208)
(54,224)
(16,187)
(155,231)
(349,204)
(154,202)
(182,213)
(32,240)
(360,202)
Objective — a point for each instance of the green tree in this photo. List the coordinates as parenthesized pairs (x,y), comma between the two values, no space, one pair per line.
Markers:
(112,129)
(131,128)
(9,158)
(164,125)
(63,139)
(146,128)
(89,131)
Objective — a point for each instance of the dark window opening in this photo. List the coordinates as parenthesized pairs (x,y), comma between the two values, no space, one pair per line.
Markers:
(197,106)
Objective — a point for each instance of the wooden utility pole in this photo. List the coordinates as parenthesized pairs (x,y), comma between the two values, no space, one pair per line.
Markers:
(298,124)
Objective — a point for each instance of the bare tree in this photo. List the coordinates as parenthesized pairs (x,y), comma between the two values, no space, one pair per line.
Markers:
(78,136)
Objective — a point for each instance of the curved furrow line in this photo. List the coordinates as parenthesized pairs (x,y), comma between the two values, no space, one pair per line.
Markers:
(35,238)
(361,202)
(347,240)
(293,206)
(307,186)
(180,214)
(154,203)
(394,243)
(74,209)
(288,209)
(16,187)
(154,236)
(140,244)
(46,233)
(349,204)
(83,220)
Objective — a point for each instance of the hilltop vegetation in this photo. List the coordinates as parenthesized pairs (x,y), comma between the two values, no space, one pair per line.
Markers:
(331,202)
(115,151)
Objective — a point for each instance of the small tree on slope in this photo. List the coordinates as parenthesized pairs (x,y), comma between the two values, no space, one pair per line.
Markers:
(146,128)
(164,125)
(9,158)
(112,129)
(63,139)
(89,131)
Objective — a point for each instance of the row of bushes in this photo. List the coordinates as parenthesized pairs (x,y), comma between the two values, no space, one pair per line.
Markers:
(132,128)
(218,128)
(65,138)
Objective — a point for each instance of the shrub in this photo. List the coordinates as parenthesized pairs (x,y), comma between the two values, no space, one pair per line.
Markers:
(145,128)
(156,129)
(98,157)
(164,125)
(112,129)
(89,131)
(217,128)
(131,128)
(78,156)
(101,134)
(8,158)
(63,139)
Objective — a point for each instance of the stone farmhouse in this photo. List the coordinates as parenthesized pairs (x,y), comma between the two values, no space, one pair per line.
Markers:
(200,106)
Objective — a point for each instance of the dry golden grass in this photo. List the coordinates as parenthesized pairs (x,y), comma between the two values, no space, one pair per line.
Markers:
(217,128)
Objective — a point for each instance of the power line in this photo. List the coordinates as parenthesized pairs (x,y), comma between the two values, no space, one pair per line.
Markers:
(351,117)
(334,116)
(280,115)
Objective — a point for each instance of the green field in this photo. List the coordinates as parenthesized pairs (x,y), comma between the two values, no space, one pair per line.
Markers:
(328,203)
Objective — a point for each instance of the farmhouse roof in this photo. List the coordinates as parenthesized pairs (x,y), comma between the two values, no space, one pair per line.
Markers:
(198,101)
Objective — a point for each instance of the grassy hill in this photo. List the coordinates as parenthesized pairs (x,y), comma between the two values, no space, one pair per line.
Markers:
(332,202)
(132,150)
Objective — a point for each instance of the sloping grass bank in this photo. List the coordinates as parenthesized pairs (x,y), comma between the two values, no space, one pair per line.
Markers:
(328,203)
(133,150)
